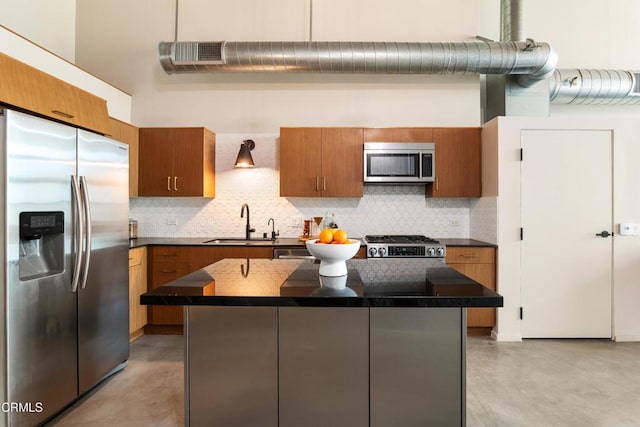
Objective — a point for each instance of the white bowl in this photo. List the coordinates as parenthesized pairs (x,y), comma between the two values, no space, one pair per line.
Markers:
(333,256)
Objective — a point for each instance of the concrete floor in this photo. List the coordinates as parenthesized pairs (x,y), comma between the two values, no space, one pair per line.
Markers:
(533,383)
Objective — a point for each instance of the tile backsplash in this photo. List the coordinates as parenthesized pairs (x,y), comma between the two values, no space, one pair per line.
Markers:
(382,210)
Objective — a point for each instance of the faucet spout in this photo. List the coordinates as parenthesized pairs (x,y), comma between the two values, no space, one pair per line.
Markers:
(247,227)
(274,235)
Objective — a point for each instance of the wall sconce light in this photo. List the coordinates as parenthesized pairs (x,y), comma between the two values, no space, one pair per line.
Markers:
(244,159)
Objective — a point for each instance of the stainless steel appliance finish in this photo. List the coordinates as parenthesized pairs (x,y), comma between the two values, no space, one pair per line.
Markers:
(403,246)
(417,366)
(399,163)
(323,369)
(65,328)
(231,366)
(292,253)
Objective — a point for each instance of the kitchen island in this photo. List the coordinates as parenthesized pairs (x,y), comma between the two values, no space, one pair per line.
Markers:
(270,343)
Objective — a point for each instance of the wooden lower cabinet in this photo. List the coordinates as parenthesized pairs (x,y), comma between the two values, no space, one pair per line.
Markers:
(167,263)
(478,263)
(137,286)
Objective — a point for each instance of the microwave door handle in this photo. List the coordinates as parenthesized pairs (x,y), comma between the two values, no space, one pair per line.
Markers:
(78,232)
(88,233)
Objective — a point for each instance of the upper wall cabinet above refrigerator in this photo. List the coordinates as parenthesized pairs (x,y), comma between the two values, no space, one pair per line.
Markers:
(30,89)
(176,162)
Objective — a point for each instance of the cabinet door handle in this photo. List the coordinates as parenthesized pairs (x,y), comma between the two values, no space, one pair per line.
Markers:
(324,183)
(62,113)
(437,184)
(468,255)
(175,183)
(317,183)
(169,271)
(168,183)
(168,254)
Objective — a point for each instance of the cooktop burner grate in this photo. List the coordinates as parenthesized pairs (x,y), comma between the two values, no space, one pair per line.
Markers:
(400,239)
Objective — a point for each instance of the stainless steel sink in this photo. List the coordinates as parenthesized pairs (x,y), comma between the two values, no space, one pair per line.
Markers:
(237,241)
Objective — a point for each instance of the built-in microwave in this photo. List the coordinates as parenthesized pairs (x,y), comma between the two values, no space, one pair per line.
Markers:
(399,162)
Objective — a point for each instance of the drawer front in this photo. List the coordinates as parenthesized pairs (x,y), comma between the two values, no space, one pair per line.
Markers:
(168,254)
(470,255)
(165,272)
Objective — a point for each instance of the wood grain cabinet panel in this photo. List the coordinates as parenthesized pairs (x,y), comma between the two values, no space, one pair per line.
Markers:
(30,89)
(478,264)
(321,162)
(137,286)
(457,163)
(413,134)
(176,162)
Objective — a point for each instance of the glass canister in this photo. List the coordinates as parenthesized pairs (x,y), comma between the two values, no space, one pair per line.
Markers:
(133,229)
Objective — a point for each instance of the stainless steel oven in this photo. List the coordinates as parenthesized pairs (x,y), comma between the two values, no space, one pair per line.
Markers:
(399,162)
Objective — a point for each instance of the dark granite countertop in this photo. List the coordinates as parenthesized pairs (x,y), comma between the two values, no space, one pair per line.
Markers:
(280,242)
(205,241)
(467,243)
(393,282)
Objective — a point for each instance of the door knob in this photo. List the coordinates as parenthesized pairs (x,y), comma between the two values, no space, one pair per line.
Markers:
(604,234)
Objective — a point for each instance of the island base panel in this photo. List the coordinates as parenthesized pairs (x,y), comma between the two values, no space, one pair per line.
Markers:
(417,362)
(231,376)
(323,366)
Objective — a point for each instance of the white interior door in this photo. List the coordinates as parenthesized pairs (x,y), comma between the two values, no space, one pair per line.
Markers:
(566,199)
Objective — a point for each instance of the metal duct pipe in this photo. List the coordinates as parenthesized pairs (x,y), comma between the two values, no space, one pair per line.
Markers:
(589,86)
(536,60)
(511,16)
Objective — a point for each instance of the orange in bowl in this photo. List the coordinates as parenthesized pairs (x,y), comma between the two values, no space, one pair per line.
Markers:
(339,236)
(326,235)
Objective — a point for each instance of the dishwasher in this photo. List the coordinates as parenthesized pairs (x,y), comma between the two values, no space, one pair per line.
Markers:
(292,253)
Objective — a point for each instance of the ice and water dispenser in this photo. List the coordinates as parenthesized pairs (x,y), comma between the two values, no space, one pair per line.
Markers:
(41,244)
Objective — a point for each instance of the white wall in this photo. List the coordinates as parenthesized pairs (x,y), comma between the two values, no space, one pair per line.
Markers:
(12,44)
(126,54)
(51,24)
(117,40)
(502,137)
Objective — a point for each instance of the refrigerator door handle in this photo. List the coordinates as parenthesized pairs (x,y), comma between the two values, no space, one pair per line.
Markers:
(79,232)
(88,230)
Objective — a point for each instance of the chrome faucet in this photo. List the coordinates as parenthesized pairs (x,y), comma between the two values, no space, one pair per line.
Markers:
(274,235)
(247,227)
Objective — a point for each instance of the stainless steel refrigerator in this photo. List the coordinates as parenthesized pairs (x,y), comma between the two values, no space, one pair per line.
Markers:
(64,209)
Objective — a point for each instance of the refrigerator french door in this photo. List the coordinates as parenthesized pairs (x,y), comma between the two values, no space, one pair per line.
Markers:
(64,209)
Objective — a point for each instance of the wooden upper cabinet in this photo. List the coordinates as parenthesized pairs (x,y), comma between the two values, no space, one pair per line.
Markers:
(30,89)
(457,163)
(124,132)
(321,162)
(342,162)
(300,163)
(176,162)
(398,135)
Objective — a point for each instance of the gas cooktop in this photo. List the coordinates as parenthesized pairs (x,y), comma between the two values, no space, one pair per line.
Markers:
(416,246)
(402,238)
